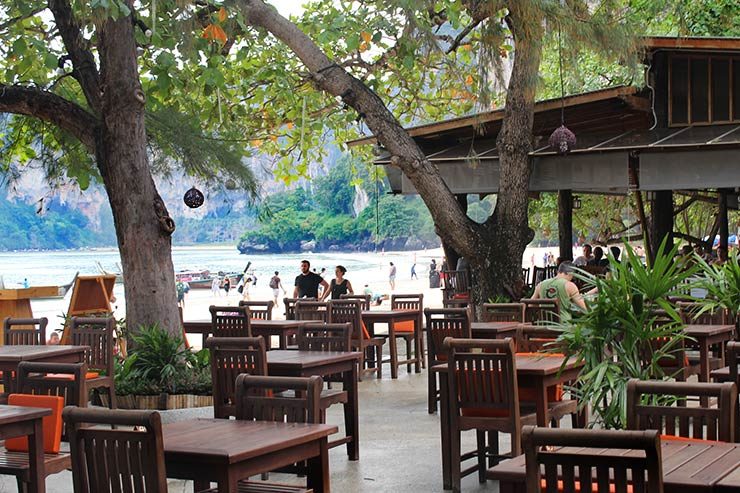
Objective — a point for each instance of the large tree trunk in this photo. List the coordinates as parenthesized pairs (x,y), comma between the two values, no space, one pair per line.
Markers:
(143,227)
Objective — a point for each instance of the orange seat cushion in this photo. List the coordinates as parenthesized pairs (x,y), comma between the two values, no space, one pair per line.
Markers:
(594,487)
(52,424)
(405,326)
(674,438)
(66,376)
(461,296)
(365,333)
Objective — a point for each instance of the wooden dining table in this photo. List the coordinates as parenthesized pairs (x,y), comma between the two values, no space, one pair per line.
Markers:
(226,451)
(539,372)
(392,317)
(706,337)
(282,329)
(18,421)
(11,356)
(688,467)
(290,363)
(494,330)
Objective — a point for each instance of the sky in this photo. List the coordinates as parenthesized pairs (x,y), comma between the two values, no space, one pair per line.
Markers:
(288,7)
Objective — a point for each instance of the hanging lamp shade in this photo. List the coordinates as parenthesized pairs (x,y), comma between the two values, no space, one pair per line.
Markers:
(562,140)
(193,198)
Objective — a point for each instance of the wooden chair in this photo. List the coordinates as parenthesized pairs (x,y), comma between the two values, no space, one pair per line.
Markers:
(370,348)
(329,337)
(730,373)
(290,306)
(659,405)
(525,276)
(690,314)
(230,357)
(312,310)
(410,332)
(98,462)
(25,331)
(483,396)
(230,321)
(535,339)
(67,381)
(442,323)
(503,312)
(259,310)
(363,298)
(552,450)
(539,311)
(98,334)
(455,303)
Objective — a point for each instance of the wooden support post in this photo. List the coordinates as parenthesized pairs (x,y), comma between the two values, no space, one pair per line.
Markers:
(565,224)
(724,229)
(661,220)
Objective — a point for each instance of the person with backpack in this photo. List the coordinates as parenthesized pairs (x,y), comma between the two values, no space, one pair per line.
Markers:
(276,286)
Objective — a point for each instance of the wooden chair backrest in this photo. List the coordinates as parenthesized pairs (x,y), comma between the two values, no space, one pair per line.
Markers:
(290,306)
(325,337)
(259,310)
(441,324)
(455,303)
(260,398)
(647,409)
(97,333)
(407,302)
(525,275)
(482,376)
(541,311)
(312,310)
(503,312)
(114,460)
(539,274)
(733,359)
(230,321)
(363,298)
(564,456)
(347,311)
(690,314)
(457,280)
(230,357)
(535,339)
(25,331)
(68,381)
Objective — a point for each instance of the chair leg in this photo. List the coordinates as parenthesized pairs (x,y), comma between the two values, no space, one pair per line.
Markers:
(420,349)
(408,353)
(482,449)
(493,448)
(516,441)
(432,392)
(362,364)
(22,485)
(379,359)
(112,402)
(455,464)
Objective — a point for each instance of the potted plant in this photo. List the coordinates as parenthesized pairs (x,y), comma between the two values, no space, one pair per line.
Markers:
(722,284)
(630,329)
(159,372)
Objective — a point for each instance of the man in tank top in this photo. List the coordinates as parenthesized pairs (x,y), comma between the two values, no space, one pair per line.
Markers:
(561,288)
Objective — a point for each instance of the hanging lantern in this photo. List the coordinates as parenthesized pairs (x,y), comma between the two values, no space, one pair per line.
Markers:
(577,204)
(193,198)
(563,140)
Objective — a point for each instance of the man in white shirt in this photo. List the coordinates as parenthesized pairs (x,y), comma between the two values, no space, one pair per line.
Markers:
(585,258)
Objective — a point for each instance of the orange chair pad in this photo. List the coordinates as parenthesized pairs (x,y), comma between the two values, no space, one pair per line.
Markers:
(405,326)
(365,333)
(66,376)
(51,425)
(594,487)
(674,438)
(461,296)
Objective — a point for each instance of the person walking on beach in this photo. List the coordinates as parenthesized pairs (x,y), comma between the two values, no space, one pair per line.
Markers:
(413,271)
(216,287)
(276,285)
(243,286)
(307,283)
(339,285)
(227,285)
(392,277)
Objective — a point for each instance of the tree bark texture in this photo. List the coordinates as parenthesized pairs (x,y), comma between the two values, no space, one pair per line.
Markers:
(112,127)
(494,250)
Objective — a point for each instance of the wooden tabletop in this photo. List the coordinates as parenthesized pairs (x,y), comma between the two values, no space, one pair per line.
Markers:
(14,414)
(308,359)
(495,326)
(707,330)
(259,323)
(232,441)
(534,364)
(687,466)
(29,353)
(388,313)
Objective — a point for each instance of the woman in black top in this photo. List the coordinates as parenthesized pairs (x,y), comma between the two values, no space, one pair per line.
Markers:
(338,285)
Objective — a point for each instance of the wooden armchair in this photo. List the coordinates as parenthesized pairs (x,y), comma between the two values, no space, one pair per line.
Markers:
(648,409)
(230,357)
(503,312)
(551,450)
(363,298)
(371,348)
(442,323)
(411,332)
(98,464)
(97,333)
(312,310)
(230,321)
(259,310)
(66,384)
(289,304)
(539,311)
(25,331)
(535,339)
(689,312)
(483,396)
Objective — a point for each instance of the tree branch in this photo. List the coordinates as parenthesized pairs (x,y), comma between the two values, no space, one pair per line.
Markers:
(83,62)
(51,108)
(20,18)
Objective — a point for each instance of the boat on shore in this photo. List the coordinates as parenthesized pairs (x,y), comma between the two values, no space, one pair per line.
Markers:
(203,279)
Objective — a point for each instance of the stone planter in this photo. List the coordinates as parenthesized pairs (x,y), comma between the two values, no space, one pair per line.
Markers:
(160,402)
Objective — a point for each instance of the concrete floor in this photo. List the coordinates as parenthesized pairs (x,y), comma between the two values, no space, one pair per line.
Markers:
(399,444)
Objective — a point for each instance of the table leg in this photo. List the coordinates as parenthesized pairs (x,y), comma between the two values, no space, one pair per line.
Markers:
(703,360)
(283,340)
(352,412)
(200,485)
(444,424)
(541,391)
(318,470)
(36,459)
(393,349)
